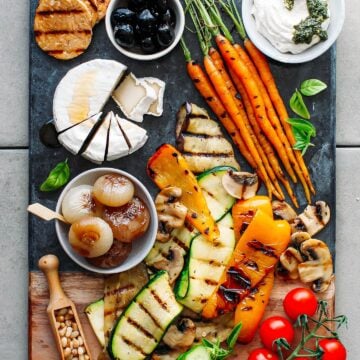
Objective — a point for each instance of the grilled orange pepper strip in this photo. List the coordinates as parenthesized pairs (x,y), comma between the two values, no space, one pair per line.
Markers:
(255,255)
(167,167)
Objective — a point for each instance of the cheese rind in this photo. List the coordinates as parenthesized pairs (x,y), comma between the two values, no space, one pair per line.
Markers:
(73,139)
(157,107)
(134,97)
(84,90)
(117,145)
(96,149)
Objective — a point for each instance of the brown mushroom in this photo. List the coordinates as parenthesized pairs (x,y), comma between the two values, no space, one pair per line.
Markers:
(171,213)
(282,210)
(173,263)
(181,334)
(318,268)
(289,262)
(240,185)
(313,219)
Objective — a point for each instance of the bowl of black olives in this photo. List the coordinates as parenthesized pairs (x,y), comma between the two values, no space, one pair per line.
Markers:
(145,29)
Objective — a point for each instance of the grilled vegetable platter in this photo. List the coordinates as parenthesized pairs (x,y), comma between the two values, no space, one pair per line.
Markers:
(227,177)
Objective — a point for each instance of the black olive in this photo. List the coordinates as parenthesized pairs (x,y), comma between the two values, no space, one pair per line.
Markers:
(168,17)
(122,15)
(148,45)
(147,21)
(124,35)
(165,35)
(161,5)
(137,5)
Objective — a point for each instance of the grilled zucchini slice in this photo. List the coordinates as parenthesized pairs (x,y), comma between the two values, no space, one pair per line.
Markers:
(95,314)
(198,352)
(142,325)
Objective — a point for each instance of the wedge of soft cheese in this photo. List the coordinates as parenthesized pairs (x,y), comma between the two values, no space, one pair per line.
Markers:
(117,145)
(84,90)
(73,138)
(134,97)
(135,135)
(157,107)
(96,149)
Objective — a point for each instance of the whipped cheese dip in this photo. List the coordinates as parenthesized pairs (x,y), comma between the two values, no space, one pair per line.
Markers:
(276,21)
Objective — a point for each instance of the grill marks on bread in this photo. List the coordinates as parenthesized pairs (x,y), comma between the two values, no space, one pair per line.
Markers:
(63,28)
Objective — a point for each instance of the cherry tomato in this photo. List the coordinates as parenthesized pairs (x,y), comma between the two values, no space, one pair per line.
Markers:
(300,301)
(262,354)
(333,349)
(274,328)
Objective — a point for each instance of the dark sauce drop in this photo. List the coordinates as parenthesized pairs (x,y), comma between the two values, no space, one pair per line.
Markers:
(48,135)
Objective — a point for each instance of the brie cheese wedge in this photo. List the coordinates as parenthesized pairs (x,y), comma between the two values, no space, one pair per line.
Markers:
(84,90)
(117,145)
(135,135)
(134,97)
(95,151)
(157,107)
(73,138)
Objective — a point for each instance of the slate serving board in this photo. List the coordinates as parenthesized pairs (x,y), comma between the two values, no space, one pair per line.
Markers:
(46,72)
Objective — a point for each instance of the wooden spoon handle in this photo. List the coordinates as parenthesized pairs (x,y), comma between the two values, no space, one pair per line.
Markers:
(45,213)
(49,265)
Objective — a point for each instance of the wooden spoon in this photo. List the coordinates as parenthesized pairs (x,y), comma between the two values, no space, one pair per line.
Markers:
(45,213)
(58,304)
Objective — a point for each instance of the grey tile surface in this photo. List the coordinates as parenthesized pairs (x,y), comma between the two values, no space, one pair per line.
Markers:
(13,250)
(348,77)
(14,63)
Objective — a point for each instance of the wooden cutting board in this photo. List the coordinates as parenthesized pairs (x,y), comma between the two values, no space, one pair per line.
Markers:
(85,288)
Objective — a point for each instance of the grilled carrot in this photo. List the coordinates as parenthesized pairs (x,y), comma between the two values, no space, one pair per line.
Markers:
(275,122)
(263,140)
(234,62)
(265,73)
(218,62)
(231,107)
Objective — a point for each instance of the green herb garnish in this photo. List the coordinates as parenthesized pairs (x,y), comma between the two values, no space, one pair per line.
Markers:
(303,131)
(57,177)
(298,106)
(312,87)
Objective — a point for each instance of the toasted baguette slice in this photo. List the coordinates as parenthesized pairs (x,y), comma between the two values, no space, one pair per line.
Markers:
(92,6)
(63,28)
(201,140)
(102,6)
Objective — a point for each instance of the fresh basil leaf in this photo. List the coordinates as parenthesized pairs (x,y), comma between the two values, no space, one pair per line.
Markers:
(233,336)
(298,106)
(312,87)
(57,177)
(303,125)
(208,343)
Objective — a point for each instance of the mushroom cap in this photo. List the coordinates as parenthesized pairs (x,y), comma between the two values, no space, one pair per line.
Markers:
(299,237)
(290,260)
(283,210)
(180,335)
(240,185)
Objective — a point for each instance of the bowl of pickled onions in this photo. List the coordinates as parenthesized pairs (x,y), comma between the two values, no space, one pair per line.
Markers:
(111,220)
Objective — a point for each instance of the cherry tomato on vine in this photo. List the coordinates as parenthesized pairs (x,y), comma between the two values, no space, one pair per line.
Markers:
(274,328)
(333,349)
(262,354)
(300,301)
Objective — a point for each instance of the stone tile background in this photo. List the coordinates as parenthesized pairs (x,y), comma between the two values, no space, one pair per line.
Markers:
(14,178)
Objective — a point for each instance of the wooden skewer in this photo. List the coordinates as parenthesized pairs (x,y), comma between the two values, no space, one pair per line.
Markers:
(45,213)
(49,265)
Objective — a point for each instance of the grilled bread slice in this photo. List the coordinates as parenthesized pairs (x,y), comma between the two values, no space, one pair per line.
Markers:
(63,28)
(201,140)
(102,6)
(92,6)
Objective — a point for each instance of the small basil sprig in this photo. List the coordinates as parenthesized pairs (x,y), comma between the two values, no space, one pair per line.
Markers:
(303,131)
(214,349)
(57,177)
(312,87)
(298,106)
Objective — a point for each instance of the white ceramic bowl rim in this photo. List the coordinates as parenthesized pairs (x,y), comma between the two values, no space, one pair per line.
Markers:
(150,235)
(179,29)
(337,8)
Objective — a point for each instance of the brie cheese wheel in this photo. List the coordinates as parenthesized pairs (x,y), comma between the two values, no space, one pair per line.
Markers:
(134,97)
(96,149)
(73,138)
(84,90)
(117,145)
(157,107)
(135,135)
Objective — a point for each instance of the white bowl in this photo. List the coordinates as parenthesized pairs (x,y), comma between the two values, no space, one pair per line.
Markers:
(175,5)
(140,247)
(337,17)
